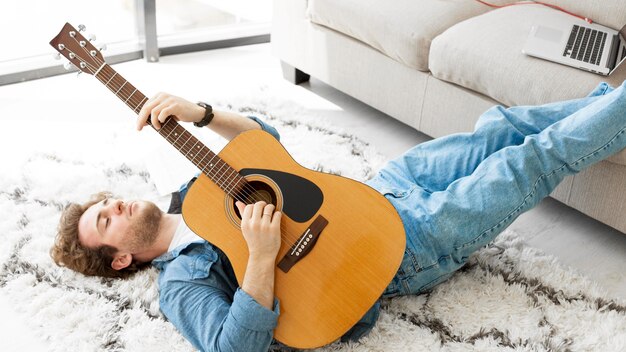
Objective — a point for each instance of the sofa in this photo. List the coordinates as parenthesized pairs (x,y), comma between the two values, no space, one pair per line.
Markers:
(437,65)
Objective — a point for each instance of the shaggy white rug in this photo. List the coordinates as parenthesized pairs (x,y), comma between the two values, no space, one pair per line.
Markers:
(508,298)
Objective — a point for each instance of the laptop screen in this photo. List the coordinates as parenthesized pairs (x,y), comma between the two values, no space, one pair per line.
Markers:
(622,44)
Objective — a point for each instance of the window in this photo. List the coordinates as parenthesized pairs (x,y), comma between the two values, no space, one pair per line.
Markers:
(27,26)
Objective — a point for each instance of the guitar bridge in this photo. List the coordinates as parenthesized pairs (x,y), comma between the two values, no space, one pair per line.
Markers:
(304,244)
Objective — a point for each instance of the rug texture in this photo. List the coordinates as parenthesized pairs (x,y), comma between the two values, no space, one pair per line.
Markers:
(509,297)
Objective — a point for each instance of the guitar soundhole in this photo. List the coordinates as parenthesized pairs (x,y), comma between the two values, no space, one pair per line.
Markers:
(256,192)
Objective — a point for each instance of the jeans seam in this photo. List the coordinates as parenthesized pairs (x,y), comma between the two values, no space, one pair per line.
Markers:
(435,264)
(534,188)
(420,290)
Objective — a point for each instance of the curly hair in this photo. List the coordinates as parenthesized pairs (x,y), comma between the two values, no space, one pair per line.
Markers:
(68,252)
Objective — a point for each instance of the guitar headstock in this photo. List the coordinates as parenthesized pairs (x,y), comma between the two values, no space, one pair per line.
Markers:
(77,49)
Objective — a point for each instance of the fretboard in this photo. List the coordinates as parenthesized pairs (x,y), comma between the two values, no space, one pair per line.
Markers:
(222,174)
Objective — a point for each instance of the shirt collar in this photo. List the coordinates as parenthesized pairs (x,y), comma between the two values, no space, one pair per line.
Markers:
(160,261)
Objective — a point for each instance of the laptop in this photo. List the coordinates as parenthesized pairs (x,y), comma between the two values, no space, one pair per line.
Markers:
(574,42)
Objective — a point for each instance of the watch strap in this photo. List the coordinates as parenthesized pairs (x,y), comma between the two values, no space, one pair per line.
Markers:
(208,115)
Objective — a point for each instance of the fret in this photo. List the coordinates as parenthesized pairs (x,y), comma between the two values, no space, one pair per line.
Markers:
(230,182)
(174,136)
(193,148)
(107,84)
(140,104)
(190,149)
(131,94)
(209,164)
(163,130)
(99,69)
(211,170)
(227,178)
(182,147)
(235,178)
(199,152)
(179,135)
(222,174)
(122,86)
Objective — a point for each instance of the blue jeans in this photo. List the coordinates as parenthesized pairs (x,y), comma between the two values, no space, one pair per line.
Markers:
(455,194)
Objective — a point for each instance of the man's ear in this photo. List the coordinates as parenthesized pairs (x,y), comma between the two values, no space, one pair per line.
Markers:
(121,261)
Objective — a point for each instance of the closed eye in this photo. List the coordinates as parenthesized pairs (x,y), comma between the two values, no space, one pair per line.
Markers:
(108,220)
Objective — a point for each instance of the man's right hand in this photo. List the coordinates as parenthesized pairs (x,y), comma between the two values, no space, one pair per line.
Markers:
(260,226)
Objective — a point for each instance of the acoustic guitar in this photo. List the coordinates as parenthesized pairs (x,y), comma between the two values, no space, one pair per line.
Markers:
(342,241)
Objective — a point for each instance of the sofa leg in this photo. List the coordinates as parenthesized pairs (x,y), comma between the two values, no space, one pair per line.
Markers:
(292,74)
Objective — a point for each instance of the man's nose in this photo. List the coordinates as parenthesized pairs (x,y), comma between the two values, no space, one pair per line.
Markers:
(117,206)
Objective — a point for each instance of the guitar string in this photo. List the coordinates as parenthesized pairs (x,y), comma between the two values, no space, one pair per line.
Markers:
(228,179)
(283,231)
(251,191)
(287,235)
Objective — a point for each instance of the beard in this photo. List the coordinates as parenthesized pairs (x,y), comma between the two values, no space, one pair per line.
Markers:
(144,230)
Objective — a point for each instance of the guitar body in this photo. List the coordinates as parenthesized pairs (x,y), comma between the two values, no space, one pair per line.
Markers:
(356,255)
(342,242)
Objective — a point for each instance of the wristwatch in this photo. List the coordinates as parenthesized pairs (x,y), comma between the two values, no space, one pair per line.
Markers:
(208,115)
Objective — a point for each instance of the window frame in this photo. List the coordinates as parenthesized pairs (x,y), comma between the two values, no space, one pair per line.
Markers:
(149,47)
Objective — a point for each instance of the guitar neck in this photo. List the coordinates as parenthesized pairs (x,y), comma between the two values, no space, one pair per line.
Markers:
(222,174)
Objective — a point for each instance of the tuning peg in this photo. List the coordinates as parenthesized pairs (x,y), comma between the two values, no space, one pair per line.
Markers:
(91,37)
(68,66)
(56,56)
(81,27)
(103,47)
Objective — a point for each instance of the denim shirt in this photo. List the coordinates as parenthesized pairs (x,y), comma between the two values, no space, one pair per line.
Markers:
(200,295)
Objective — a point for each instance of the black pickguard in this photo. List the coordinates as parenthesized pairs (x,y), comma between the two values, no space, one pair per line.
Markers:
(301,197)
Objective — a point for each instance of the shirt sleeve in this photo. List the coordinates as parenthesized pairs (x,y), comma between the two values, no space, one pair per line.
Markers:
(208,318)
(266,127)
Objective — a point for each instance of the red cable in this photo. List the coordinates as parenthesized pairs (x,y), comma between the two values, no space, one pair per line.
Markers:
(588,20)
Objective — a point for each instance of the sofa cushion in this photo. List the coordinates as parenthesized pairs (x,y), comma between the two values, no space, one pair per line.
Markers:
(484,54)
(401,29)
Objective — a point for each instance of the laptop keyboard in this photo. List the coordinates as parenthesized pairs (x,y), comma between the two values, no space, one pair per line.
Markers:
(585,44)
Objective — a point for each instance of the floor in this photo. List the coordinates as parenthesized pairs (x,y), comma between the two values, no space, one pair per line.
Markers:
(588,246)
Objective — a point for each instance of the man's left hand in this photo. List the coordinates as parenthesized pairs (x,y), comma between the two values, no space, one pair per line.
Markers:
(163,105)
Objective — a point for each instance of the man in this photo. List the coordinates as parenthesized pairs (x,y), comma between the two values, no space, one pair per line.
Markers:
(454,195)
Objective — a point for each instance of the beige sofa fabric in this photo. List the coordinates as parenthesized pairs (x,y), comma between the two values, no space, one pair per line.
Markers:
(402,29)
(611,13)
(485,54)
(465,55)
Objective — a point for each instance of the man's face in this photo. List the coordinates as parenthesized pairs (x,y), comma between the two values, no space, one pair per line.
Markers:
(128,226)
